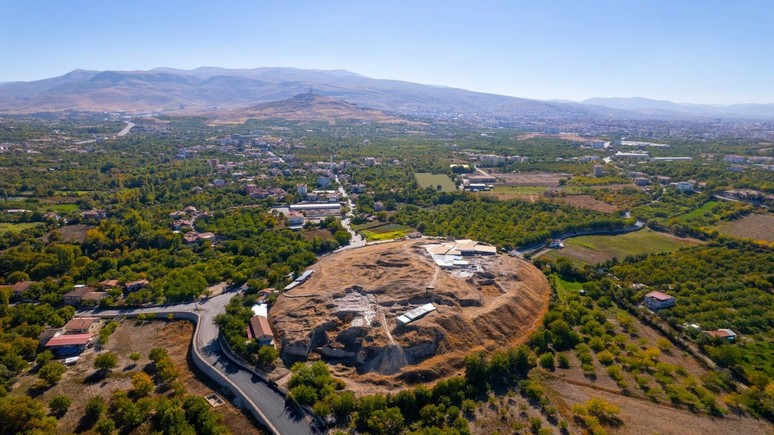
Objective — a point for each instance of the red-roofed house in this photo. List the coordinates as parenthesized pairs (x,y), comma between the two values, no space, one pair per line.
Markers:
(259,330)
(656,300)
(19,288)
(82,325)
(70,343)
(722,333)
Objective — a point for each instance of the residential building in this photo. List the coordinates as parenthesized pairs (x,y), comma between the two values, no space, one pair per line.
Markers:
(82,325)
(684,186)
(302,190)
(68,344)
(260,330)
(725,334)
(136,285)
(18,289)
(656,300)
(599,171)
(369,161)
(76,295)
(96,215)
(295,219)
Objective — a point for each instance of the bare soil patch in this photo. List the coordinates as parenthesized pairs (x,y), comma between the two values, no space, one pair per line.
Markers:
(643,416)
(311,234)
(587,202)
(74,233)
(753,226)
(546,179)
(80,384)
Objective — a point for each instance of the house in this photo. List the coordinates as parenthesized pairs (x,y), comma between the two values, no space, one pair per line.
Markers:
(358,188)
(260,331)
(82,325)
(82,293)
(136,285)
(68,344)
(96,215)
(684,186)
(109,283)
(18,289)
(295,219)
(726,334)
(656,300)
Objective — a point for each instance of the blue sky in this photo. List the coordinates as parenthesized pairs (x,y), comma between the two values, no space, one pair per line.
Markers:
(686,51)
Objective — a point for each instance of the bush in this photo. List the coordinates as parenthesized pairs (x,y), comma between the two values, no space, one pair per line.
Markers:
(95,407)
(106,361)
(44,357)
(563,361)
(105,426)
(51,372)
(547,361)
(59,405)
(606,357)
(142,383)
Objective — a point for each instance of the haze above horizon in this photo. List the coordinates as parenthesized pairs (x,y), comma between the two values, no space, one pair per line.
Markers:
(710,52)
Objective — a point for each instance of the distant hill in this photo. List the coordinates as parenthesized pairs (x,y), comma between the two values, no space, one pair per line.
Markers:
(308,107)
(210,89)
(662,109)
(214,89)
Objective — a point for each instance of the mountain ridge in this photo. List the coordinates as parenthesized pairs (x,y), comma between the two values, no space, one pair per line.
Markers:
(209,89)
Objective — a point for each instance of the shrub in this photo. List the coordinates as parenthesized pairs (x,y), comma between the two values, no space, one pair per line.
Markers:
(51,372)
(563,361)
(95,407)
(142,384)
(547,361)
(59,405)
(606,357)
(106,361)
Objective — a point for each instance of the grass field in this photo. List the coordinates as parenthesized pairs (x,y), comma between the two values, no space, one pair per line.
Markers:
(63,208)
(386,232)
(426,179)
(699,212)
(598,249)
(753,226)
(565,288)
(15,228)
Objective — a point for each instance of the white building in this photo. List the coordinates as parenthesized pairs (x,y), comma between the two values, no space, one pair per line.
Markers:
(656,300)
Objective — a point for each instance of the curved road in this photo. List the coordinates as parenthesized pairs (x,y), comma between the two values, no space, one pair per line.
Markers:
(283,418)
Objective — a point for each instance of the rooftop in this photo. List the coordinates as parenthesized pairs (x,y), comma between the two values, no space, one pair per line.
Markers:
(659,295)
(70,340)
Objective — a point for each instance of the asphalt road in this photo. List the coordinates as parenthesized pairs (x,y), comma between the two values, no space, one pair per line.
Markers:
(285,418)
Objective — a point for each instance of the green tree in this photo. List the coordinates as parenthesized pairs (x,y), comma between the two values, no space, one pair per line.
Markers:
(142,384)
(106,426)
(95,407)
(59,404)
(106,361)
(51,372)
(386,421)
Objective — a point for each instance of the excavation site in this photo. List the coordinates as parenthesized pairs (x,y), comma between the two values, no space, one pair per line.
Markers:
(408,312)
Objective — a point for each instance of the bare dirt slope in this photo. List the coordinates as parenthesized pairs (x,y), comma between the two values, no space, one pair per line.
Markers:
(346,313)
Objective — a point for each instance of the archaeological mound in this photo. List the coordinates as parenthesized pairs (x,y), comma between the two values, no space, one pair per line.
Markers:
(408,311)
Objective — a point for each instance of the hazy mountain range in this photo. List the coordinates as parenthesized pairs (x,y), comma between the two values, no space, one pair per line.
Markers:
(661,108)
(209,90)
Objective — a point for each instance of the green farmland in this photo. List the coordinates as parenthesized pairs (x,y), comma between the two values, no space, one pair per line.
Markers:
(426,179)
(598,249)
